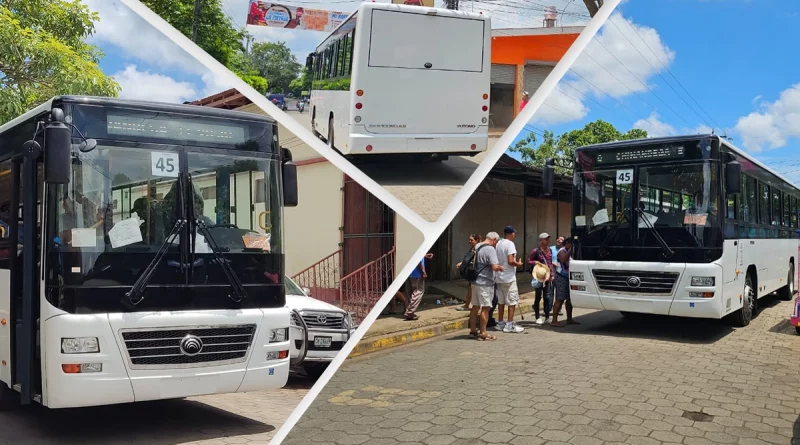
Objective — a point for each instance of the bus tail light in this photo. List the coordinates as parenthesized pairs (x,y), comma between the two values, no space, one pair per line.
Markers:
(81,368)
(485,108)
(473,146)
(369,147)
(485,96)
(360,93)
(358,106)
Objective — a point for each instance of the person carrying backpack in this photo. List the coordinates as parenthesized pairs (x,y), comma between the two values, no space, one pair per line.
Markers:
(480,272)
(474,239)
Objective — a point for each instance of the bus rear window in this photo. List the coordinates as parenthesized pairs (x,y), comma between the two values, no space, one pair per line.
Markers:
(411,41)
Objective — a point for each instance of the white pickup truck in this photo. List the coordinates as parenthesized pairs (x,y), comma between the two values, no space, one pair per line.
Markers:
(329,328)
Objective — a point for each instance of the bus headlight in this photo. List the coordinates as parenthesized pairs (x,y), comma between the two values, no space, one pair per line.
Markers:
(702,281)
(278,335)
(80,345)
(576,276)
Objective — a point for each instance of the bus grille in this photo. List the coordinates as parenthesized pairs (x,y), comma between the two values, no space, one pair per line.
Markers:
(649,283)
(329,320)
(162,348)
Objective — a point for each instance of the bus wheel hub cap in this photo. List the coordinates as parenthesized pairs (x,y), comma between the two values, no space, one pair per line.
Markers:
(191,345)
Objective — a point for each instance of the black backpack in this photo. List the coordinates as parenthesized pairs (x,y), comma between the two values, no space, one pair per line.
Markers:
(469,266)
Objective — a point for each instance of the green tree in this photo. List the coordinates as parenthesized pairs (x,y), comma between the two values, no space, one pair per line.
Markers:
(216,34)
(43,53)
(276,63)
(300,84)
(562,148)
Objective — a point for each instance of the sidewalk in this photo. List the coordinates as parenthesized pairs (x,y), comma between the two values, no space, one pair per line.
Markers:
(393,330)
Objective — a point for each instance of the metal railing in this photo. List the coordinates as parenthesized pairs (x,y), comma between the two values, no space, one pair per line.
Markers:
(361,289)
(323,278)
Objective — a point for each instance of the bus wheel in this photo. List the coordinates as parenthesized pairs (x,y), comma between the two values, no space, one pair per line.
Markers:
(787,291)
(743,316)
(797,329)
(9,399)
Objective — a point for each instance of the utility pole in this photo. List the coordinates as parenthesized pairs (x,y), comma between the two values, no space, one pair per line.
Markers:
(249,39)
(593,6)
(196,20)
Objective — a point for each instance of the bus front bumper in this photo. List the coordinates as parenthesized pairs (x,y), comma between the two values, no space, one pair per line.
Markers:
(461,144)
(682,301)
(117,382)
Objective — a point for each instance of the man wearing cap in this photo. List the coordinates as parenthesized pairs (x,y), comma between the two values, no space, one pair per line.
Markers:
(506,280)
(542,256)
(487,264)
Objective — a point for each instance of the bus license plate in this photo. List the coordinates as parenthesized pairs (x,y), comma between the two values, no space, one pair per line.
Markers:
(322,342)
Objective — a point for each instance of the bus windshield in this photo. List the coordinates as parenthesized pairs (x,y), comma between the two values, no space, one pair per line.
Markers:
(640,213)
(121,205)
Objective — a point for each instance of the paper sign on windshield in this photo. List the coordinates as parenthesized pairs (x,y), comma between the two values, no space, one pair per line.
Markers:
(696,219)
(256,241)
(164,164)
(126,232)
(649,218)
(580,221)
(601,217)
(84,238)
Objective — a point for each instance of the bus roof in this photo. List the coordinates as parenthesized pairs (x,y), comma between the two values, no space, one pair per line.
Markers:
(423,10)
(141,105)
(683,138)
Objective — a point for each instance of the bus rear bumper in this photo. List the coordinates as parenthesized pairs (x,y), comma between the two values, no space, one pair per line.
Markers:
(418,143)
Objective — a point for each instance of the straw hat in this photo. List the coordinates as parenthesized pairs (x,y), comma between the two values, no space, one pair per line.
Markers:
(541,273)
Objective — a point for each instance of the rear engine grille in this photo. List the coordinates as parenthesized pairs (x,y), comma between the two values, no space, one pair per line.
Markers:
(162,348)
(636,282)
(327,320)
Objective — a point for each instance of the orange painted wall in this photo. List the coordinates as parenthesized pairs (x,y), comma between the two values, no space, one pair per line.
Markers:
(515,50)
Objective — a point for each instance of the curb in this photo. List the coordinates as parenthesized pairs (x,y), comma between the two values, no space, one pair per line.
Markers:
(384,342)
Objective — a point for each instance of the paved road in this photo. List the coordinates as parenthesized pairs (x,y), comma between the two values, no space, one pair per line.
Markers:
(607,381)
(426,188)
(248,418)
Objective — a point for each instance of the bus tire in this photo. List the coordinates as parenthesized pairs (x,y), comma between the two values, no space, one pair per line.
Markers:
(797,329)
(786,292)
(9,399)
(744,315)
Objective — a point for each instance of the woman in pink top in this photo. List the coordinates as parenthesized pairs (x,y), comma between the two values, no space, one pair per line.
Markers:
(525,98)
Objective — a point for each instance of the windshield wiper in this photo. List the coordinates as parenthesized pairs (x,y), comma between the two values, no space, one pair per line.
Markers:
(667,252)
(602,250)
(135,294)
(238,289)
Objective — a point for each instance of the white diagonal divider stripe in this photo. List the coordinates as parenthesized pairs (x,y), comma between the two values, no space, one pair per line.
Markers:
(276,113)
(432,233)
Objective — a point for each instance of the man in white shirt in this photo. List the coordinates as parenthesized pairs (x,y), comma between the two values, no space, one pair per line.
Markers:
(506,280)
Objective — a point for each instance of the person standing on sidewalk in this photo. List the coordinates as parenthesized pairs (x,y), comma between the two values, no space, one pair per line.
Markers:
(506,280)
(486,264)
(562,285)
(543,256)
(417,281)
(474,239)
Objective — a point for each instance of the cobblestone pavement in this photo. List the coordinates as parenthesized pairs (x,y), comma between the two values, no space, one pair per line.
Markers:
(609,380)
(247,418)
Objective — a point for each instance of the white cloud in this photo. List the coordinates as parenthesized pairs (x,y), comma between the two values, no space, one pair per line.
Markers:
(559,108)
(774,125)
(146,85)
(655,127)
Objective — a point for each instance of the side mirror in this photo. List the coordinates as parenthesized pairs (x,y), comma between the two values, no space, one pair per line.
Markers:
(733,175)
(548,176)
(57,153)
(289,173)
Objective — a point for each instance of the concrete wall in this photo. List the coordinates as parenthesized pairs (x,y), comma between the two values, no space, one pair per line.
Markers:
(407,239)
(312,228)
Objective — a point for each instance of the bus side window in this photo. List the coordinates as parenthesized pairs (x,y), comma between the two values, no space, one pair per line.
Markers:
(793,211)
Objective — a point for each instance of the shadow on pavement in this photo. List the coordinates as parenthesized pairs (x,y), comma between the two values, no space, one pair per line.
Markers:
(155,423)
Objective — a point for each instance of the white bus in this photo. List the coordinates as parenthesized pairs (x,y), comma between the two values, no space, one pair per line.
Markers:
(155,269)
(403,79)
(686,226)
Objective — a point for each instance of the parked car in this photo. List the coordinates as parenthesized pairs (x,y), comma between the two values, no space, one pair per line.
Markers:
(329,328)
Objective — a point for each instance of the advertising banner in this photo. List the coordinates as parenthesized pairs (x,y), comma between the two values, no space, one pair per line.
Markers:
(275,15)
(427,3)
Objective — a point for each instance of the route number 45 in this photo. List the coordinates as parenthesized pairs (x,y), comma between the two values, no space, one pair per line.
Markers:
(625,176)
(164,164)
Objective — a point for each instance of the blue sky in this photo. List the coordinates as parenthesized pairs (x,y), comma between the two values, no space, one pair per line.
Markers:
(734,57)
